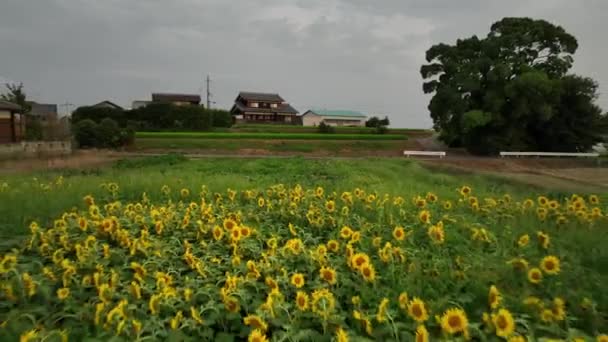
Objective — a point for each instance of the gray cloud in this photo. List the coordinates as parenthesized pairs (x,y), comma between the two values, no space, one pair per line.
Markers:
(354,54)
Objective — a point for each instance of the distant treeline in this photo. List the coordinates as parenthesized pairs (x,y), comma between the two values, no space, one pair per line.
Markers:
(159,116)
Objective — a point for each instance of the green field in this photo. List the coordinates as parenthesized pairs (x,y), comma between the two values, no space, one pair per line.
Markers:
(268,136)
(162,248)
(261,128)
(305,146)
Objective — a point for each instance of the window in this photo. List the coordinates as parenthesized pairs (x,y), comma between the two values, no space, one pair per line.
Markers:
(254,104)
(273,105)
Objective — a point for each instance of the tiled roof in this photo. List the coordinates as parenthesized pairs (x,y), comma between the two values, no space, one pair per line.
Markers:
(171,97)
(9,106)
(265,97)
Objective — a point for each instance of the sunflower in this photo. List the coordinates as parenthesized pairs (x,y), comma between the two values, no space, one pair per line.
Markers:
(63,293)
(272,284)
(229,224)
(454,321)
(368,272)
(494,297)
(346,232)
(328,274)
(546,315)
(422,335)
(559,309)
(297,280)
(381,314)
(465,190)
(358,260)
(602,338)
(377,241)
(323,303)
(593,199)
(516,338)
(255,322)
(218,233)
(535,276)
(431,197)
(399,233)
(245,231)
(523,240)
(403,300)
(256,336)
(437,234)
(543,239)
(154,303)
(355,237)
(319,191)
(504,323)
(333,245)
(542,200)
(302,300)
(232,304)
(550,265)
(261,202)
(417,310)
(341,335)
(424,216)
(330,206)
(447,205)
(235,235)
(420,202)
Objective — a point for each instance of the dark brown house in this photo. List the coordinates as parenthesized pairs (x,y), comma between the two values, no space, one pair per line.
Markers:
(263,108)
(12,123)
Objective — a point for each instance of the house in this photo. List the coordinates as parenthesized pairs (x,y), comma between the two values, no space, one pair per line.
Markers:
(176,99)
(45,112)
(12,123)
(107,104)
(263,108)
(315,117)
(139,104)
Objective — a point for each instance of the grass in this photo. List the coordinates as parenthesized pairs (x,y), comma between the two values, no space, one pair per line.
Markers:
(268,136)
(260,128)
(305,146)
(190,233)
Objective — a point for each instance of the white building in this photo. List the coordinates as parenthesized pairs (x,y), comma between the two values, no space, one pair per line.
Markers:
(314,117)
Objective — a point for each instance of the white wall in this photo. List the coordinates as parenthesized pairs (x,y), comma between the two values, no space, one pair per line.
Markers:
(311,119)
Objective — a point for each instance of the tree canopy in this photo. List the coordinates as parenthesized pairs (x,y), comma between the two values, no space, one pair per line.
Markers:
(511,91)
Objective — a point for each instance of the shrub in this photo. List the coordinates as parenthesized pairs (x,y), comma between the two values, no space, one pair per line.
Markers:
(85,133)
(220,118)
(325,128)
(98,114)
(105,134)
(33,128)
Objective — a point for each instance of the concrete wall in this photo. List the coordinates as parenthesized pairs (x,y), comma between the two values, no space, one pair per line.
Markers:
(35,149)
(311,119)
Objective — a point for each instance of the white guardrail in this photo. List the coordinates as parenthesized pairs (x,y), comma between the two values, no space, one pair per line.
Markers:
(548,154)
(439,154)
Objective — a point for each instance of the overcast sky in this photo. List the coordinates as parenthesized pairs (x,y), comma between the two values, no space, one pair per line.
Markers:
(340,54)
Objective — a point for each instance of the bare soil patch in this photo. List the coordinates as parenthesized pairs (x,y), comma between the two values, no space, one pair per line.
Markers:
(81,159)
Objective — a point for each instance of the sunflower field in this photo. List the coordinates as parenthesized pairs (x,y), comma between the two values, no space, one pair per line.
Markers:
(288,263)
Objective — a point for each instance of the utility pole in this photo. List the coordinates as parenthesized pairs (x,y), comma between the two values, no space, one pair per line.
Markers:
(208,93)
(66,107)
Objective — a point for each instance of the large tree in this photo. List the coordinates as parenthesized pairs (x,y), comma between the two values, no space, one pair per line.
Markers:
(511,91)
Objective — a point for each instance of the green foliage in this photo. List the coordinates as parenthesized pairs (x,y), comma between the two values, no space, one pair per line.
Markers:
(16,95)
(159,116)
(33,129)
(163,160)
(99,113)
(106,134)
(510,91)
(282,136)
(326,129)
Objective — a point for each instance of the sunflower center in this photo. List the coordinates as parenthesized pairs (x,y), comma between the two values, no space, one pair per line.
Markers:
(417,310)
(454,321)
(549,265)
(501,322)
(367,272)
